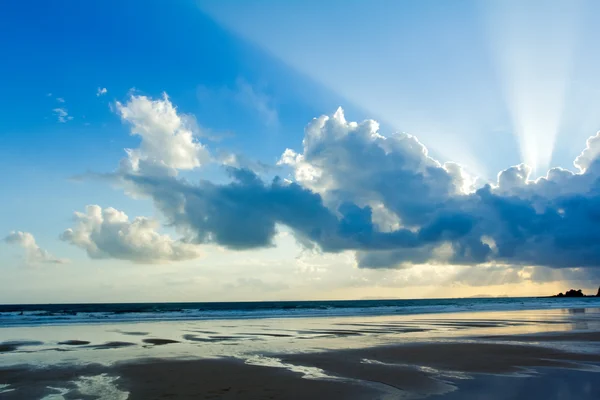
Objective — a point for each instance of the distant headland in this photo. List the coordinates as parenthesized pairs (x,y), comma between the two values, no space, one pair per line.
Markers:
(576,293)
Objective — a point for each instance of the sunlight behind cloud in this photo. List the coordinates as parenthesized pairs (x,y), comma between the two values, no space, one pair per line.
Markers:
(531,43)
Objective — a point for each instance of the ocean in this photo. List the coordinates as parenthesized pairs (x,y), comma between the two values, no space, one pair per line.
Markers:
(57,314)
(394,349)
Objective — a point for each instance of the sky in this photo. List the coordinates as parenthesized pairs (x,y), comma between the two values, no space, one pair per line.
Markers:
(231,150)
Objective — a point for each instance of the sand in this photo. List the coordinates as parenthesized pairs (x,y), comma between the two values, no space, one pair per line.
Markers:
(463,366)
(550,337)
(400,371)
(185,379)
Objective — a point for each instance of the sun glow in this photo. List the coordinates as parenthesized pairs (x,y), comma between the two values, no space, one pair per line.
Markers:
(531,45)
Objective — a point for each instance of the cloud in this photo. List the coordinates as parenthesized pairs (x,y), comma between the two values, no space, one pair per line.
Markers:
(60,99)
(382,197)
(241,161)
(33,253)
(589,154)
(101,92)
(578,276)
(516,221)
(62,115)
(108,233)
(490,275)
(244,214)
(168,139)
(345,161)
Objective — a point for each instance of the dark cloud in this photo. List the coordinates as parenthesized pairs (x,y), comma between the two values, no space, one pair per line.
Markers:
(244,213)
(480,227)
(350,181)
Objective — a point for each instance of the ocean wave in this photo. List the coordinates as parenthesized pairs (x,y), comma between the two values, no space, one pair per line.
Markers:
(19,315)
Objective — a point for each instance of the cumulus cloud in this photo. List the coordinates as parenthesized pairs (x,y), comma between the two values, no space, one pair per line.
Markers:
(168,142)
(589,154)
(101,92)
(548,222)
(345,161)
(347,169)
(245,212)
(62,115)
(108,233)
(60,99)
(381,196)
(33,253)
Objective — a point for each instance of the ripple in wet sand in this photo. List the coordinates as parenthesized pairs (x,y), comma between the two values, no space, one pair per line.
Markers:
(111,345)
(6,347)
(159,342)
(74,342)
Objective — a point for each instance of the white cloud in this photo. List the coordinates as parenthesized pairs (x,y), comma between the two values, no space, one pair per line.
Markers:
(60,99)
(589,154)
(381,198)
(168,138)
(108,233)
(101,91)
(62,115)
(546,222)
(514,178)
(33,253)
(348,161)
(347,169)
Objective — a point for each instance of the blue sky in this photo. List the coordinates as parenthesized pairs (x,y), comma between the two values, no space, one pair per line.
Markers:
(487,85)
(69,50)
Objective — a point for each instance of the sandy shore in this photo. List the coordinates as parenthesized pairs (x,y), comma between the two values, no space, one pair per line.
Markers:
(341,359)
(400,371)
(177,379)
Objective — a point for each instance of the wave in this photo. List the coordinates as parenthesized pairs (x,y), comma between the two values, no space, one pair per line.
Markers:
(37,314)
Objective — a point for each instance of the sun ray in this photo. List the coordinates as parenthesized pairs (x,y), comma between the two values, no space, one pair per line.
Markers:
(532,49)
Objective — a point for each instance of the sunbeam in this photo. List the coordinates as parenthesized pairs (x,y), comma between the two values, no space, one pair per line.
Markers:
(531,44)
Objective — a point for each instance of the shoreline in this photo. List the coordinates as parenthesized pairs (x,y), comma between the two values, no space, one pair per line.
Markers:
(409,370)
(448,356)
(61,314)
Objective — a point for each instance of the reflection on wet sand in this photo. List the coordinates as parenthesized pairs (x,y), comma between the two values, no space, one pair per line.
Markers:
(111,345)
(14,345)
(133,333)
(357,357)
(159,342)
(74,342)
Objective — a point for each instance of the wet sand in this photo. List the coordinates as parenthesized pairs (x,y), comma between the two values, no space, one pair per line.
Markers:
(376,359)
(401,371)
(183,379)
(551,337)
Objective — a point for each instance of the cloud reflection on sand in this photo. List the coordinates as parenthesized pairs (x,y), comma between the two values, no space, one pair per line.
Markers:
(410,356)
(213,338)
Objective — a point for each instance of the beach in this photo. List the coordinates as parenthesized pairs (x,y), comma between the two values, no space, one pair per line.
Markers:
(503,354)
